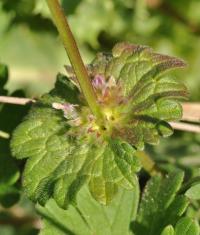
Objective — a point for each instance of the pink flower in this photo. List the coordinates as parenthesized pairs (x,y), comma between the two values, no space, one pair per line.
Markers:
(68,109)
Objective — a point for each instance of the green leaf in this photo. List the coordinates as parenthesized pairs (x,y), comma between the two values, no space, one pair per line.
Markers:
(152,95)
(66,90)
(91,217)
(3,75)
(9,195)
(169,230)
(160,206)
(59,164)
(136,100)
(187,226)
(21,7)
(10,117)
(193,192)
(9,172)
(141,72)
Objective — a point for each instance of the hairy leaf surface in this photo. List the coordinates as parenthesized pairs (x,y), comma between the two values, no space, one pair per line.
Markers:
(60,164)
(152,95)
(187,226)
(160,206)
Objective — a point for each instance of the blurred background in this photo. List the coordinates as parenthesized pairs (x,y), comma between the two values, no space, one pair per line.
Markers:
(30,46)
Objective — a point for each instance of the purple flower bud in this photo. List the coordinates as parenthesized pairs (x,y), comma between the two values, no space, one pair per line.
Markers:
(98,82)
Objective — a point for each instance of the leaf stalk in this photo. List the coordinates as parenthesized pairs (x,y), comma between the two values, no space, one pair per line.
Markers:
(147,163)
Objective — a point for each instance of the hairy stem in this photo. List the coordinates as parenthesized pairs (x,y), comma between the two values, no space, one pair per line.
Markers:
(74,56)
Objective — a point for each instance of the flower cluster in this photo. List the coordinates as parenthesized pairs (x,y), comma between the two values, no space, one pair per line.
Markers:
(133,93)
(112,102)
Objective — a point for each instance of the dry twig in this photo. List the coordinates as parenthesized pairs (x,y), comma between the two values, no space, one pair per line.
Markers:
(185,127)
(16,100)
(191,113)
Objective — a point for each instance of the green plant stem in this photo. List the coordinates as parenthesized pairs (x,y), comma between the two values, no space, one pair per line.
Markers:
(147,163)
(75,58)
